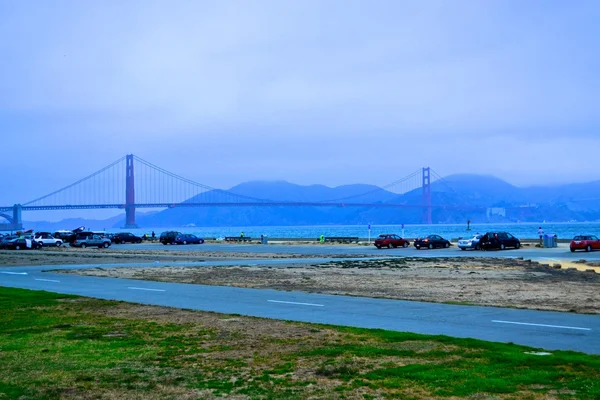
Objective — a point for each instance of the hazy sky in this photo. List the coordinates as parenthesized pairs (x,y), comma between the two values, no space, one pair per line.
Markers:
(325,91)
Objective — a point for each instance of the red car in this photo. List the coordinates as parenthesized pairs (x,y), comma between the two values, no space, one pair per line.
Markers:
(390,240)
(585,242)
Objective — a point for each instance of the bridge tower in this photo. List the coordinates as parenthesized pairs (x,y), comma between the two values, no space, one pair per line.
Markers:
(426,201)
(17,220)
(129,194)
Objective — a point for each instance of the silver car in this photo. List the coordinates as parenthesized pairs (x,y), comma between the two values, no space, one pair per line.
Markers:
(472,243)
(90,239)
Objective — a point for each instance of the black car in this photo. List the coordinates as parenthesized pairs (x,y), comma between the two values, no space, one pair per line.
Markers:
(125,237)
(499,240)
(68,236)
(431,242)
(169,237)
(22,243)
(188,238)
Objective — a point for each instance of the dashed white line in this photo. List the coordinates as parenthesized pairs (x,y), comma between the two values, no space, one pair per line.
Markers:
(13,273)
(46,280)
(150,290)
(543,325)
(293,302)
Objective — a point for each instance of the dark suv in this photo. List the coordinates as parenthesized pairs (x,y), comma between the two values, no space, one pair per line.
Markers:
(125,237)
(169,237)
(499,240)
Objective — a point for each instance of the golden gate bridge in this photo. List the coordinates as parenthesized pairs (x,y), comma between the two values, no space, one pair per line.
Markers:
(132,183)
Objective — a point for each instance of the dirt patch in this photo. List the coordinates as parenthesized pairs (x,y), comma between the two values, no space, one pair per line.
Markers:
(477,281)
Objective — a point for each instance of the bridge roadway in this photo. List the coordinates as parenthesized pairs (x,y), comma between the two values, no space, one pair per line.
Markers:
(540,329)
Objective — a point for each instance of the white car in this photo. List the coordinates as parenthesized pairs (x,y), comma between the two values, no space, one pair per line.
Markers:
(472,243)
(47,239)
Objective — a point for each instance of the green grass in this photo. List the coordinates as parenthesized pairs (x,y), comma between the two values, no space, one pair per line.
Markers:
(56,346)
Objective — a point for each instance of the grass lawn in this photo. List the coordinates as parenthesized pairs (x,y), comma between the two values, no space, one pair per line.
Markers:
(58,346)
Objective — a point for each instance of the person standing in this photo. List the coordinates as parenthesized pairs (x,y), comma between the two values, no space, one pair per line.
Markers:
(153,235)
(541,235)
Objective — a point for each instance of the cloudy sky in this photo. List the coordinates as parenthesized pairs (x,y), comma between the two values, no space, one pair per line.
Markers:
(327,91)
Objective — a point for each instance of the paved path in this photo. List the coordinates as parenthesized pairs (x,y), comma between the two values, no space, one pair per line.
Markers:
(548,330)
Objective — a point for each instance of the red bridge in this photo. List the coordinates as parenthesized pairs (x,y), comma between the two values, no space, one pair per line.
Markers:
(131,183)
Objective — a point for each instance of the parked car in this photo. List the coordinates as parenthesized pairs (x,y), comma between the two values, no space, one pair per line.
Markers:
(472,243)
(188,238)
(499,240)
(5,240)
(22,243)
(125,237)
(431,242)
(169,237)
(47,239)
(390,240)
(90,239)
(585,242)
(68,236)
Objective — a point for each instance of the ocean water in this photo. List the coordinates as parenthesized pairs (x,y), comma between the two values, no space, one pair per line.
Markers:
(451,231)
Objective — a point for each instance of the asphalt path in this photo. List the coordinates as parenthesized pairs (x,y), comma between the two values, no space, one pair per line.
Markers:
(545,330)
(557,253)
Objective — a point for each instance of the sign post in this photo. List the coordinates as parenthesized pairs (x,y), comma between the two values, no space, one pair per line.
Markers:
(369,234)
(402,230)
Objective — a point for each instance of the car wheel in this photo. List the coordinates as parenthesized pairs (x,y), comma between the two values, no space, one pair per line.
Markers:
(201,241)
(447,245)
(164,243)
(518,246)
(139,241)
(83,245)
(17,247)
(405,245)
(463,248)
(389,246)
(105,245)
(572,250)
(588,248)
(418,247)
(185,242)
(430,246)
(58,244)
(378,246)
(477,247)
(501,245)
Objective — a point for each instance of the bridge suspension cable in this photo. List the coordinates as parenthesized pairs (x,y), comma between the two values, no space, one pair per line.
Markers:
(380,189)
(108,167)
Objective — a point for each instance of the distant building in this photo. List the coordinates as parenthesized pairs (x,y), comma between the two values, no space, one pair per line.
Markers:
(496,212)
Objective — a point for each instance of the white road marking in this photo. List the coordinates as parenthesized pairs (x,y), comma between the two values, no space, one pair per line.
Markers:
(544,325)
(13,273)
(293,302)
(47,280)
(151,290)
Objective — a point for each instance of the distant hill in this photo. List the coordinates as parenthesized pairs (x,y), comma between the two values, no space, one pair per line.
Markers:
(276,191)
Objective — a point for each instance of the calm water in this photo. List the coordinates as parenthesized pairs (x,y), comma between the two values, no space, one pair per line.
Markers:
(521,230)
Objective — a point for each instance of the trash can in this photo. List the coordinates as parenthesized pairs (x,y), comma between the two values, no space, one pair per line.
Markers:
(550,240)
